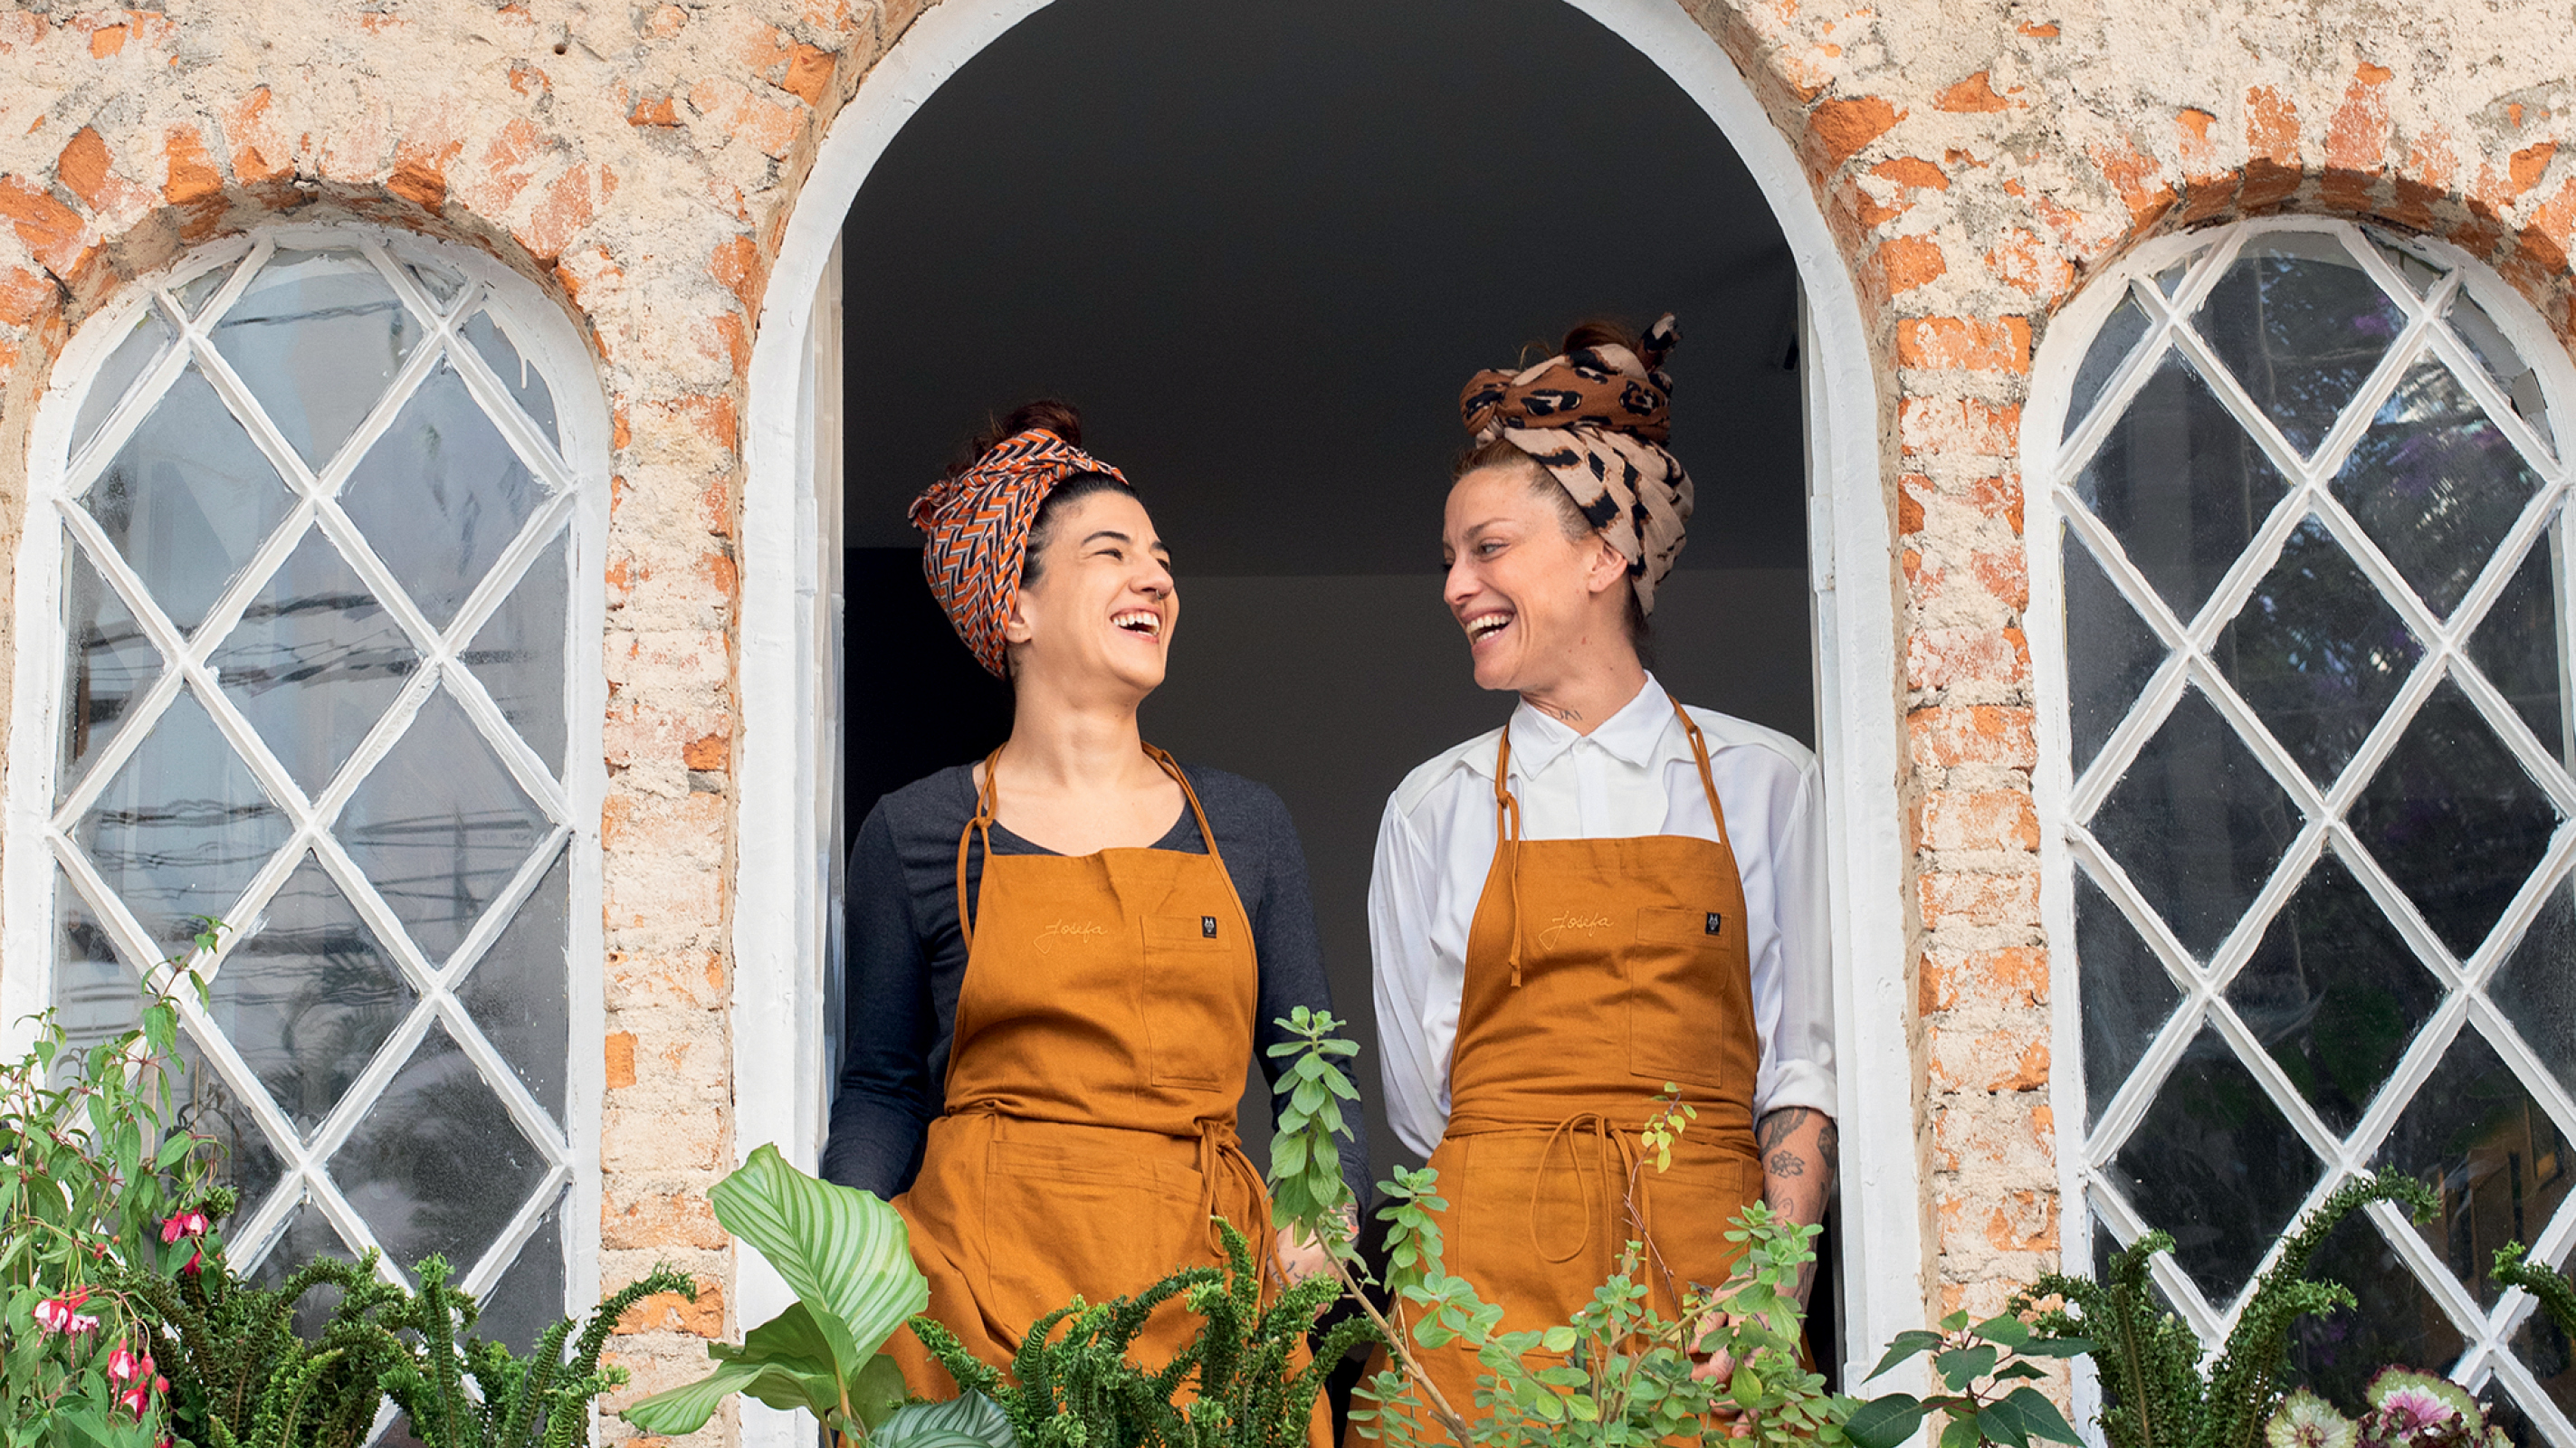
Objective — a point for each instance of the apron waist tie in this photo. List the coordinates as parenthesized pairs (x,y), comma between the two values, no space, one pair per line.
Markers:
(1608,1139)
(1221,1152)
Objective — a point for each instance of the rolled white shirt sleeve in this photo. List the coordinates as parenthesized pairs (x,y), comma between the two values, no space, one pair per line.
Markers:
(1412,1068)
(1793,996)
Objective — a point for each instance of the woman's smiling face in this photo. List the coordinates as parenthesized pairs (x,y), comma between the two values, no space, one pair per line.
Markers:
(1528,595)
(1103,606)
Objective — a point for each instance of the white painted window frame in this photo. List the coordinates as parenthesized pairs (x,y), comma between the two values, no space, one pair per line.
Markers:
(579,468)
(2062,798)
(780,937)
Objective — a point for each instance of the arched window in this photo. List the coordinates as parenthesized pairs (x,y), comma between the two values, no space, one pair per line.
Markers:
(310,509)
(2306,540)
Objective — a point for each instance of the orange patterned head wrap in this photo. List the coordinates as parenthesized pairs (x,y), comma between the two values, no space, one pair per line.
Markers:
(1597,419)
(979,522)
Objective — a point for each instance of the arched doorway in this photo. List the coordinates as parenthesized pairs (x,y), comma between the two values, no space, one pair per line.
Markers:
(1275,549)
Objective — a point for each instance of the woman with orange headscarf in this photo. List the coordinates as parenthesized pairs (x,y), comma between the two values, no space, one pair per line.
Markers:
(1610,893)
(1064,958)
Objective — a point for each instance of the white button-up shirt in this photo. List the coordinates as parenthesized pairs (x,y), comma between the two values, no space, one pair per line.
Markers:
(1633,775)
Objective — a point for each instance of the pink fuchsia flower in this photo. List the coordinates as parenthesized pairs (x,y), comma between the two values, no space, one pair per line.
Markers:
(196,1262)
(123,1366)
(190,1223)
(2305,1420)
(82,1322)
(135,1399)
(63,1314)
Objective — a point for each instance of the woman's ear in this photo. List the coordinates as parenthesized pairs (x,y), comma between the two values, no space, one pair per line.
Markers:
(1016,629)
(1608,568)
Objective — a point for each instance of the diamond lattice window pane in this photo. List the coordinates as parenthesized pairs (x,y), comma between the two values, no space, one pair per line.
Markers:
(203,1103)
(440,495)
(314,662)
(308,1234)
(96,994)
(515,992)
(2514,377)
(144,342)
(2519,643)
(108,664)
(2454,819)
(2498,1160)
(2417,273)
(194,292)
(2216,1164)
(2111,347)
(437,1166)
(2181,485)
(439,827)
(2338,1353)
(182,827)
(2317,652)
(317,336)
(527,386)
(2302,326)
(519,654)
(2535,987)
(2128,997)
(2110,653)
(188,499)
(2334,994)
(529,1298)
(2546,1351)
(2435,484)
(2197,824)
(309,996)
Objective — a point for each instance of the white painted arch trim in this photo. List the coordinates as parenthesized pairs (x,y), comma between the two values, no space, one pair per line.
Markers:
(780,890)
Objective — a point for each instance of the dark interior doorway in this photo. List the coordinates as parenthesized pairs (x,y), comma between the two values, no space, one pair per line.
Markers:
(1262,246)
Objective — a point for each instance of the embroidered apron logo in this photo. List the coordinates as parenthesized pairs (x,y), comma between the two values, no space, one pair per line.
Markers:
(1064,930)
(1584,923)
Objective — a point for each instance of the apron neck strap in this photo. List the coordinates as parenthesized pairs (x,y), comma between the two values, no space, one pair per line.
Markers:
(980,827)
(1507,840)
(1172,767)
(1707,782)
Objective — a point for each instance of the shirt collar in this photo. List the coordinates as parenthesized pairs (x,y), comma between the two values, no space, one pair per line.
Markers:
(1633,735)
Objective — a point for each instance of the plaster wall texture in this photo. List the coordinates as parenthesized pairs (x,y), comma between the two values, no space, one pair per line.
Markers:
(1976,159)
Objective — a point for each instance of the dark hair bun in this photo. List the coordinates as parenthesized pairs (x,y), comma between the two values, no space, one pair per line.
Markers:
(1599,333)
(1052,413)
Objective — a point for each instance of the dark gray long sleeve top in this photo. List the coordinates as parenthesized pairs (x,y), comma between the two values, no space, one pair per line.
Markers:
(907,958)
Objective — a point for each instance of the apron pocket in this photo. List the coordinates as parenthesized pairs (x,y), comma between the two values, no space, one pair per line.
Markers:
(1185,1038)
(1669,973)
(1060,1221)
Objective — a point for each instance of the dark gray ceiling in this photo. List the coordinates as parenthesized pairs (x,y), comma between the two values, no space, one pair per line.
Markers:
(1263,244)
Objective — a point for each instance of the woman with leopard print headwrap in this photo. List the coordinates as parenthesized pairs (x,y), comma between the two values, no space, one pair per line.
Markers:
(1063,960)
(1610,893)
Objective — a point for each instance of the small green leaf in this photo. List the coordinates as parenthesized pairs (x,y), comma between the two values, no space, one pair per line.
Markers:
(2040,1416)
(1961,1366)
(2006,1329)
(1905,1345)
(1558,1339)
(1884,1422)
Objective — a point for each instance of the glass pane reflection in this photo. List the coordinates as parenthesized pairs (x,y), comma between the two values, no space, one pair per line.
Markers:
(109,663)
(2317,653)
(2127,995)
(2518,645)
(437,1166)
(2495,1157)
(2216,1164)
(2301,325)
(440,495)
(2454,819)
(2535,988)
(317,336)
(2110,653)
(145,339)
(2334,994)
(182,827)
(2181,485)
(2111,346)
(519,654)
(314,662)
(2435,484)
(2397,1321)
(188,499)
(2197,823)
(308,997)
(516,991)
(439,827)
(526,385)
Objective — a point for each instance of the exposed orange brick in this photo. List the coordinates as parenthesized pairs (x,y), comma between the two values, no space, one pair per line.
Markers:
(2040,31)
(2272,126)
(1950,899)
(1842,127)
(2194,124)
(246,128)
(52,231)
(621,1059)
(420,172)
(527,80)
(1953,426)
(659,1220)
(709,752)
(1999,819)
(566,209)
(2015,978)
(83,166)
(1965,344)
(2005,576)
(736,264)
(2024,1221)
(1909,503)
(809,74)
(654,111)
(1941,657)
(735,338)
(2135,175)
(2528,163)
(193,177)
(2023,261)
(1910,261)
(23,296)
(670,1312)
(1974,95)
(2000,496)
(1911,171)
(106,40)
(665,22)
(2357,136)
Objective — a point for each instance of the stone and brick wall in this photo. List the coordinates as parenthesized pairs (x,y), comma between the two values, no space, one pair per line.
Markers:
(1976,159)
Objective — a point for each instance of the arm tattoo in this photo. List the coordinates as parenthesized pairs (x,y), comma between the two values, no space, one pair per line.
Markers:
(1780,1125)
(1829,1145)
(1785,1164)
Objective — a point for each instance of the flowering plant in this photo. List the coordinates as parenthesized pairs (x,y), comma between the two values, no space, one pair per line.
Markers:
(2408,1409)
(95,1184)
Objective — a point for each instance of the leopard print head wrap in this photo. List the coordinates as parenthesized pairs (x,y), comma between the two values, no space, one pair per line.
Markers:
(979,522)
(1597,419)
